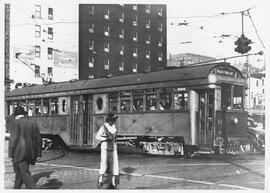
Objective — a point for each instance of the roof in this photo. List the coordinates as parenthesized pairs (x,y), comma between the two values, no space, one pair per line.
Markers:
(178,74)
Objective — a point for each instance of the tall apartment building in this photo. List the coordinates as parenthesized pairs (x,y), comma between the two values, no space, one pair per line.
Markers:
(121,39)
(35,41)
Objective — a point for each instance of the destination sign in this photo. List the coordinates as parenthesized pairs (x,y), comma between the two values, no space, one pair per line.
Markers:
(225,72)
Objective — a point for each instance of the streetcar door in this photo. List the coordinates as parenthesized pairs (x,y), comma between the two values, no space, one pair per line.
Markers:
(206,116)
(86,120)
(74,121)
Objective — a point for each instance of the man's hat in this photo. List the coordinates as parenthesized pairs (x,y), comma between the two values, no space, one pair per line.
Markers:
(111,117)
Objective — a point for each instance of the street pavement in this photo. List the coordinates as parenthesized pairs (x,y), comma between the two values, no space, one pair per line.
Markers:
(60,169)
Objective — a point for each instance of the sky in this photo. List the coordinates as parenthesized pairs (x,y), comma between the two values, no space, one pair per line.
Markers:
(204,30)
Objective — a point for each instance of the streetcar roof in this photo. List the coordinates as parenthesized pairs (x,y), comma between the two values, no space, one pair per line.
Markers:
(191,73)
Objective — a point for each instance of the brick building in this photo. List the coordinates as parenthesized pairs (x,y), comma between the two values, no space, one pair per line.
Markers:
(121,39)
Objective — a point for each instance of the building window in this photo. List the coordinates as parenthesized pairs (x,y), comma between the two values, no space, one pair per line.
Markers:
(147,24)
(37,11)
(50,70)
(91,61)
(121,66)
(107,14)
(91,28)
(50,53)
(92,10)
(121,18)
(37,71)
(37,31)
(106,47)
(37,51)
(147,8)
(106,64)
(50,33)
(160,27)
(135,21)
(135,7)
(107,31)
(147,41)
(50,13)
(122,49)
(91,45)
(147,54)
(160,56)
(135,36)
(135,67)
(160,13)
(160,42)
(135,52)
(121,34)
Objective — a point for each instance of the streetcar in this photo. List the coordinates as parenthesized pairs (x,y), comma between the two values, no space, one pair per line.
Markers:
(170,112)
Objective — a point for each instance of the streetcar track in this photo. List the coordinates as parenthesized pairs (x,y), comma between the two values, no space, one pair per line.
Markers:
(155,176)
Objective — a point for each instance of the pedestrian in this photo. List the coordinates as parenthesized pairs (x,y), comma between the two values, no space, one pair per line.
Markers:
(24,148)
(109,158)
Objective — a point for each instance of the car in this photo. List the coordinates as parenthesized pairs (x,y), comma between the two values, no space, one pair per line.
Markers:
(256,134)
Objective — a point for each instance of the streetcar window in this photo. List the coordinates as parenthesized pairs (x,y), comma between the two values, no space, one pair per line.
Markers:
(54,105)
(9,108)
(45,107)
(238,97)
(180,99)
(137,100)
(100,103)
(31,107)
(124,101)
(165,98)
(113,102)
(151,99)
(38,106)
(19,104)
(226,96)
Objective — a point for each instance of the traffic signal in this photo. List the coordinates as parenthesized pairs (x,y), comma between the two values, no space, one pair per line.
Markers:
(242,45)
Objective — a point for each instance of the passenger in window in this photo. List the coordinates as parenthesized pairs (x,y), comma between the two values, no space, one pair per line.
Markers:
(161,106)
(153,107)
(30,112)
(38,111)
(123,107)
(137,106)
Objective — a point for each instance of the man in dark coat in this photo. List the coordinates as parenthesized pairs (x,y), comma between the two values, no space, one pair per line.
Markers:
(24,148)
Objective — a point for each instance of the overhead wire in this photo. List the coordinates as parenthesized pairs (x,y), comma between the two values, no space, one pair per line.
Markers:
(253,24)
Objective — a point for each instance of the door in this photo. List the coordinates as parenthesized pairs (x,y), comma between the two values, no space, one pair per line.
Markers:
(206,117)
(74,121)
(87,120)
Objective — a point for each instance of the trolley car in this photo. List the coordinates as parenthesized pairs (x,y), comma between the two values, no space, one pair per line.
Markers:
(173,111)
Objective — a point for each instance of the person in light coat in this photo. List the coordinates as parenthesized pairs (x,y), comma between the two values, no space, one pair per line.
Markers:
(109,157)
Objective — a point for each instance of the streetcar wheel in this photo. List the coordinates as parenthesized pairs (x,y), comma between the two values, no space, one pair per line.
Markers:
(248,146)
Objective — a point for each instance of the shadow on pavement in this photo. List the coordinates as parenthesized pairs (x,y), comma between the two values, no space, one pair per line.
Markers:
(36,177)
(52,184)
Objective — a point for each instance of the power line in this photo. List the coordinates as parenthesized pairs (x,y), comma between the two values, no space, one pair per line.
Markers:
(253,24)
